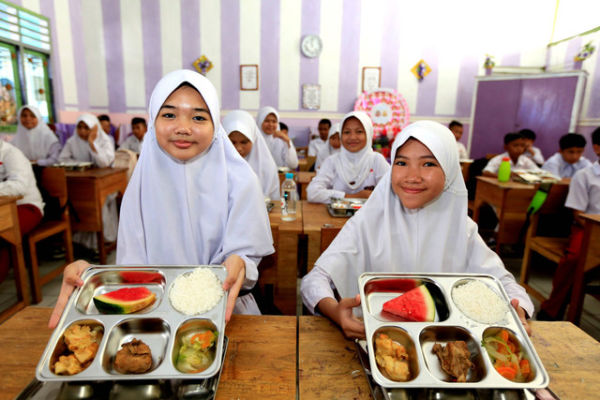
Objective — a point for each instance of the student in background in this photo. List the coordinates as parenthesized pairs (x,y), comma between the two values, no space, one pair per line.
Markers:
(415,221)
(531,151)
(281,147)
(134,141)
(17,179)
(355,170)
(583,198)
(108,128)
(514,146)
(34,138)
(333,145)
(569,158)
(284,129)
(317,144)
(247,140)
(457,130)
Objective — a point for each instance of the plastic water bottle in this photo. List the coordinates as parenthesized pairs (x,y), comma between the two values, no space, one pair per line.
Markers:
(504,170)
(289,195)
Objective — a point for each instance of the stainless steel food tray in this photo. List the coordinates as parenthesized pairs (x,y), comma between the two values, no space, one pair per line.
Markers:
(159,325)
(343,207)
(450,324)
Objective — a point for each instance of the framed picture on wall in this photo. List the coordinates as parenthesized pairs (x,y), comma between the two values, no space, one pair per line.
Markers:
(371,78)
(249,77)
(311,96)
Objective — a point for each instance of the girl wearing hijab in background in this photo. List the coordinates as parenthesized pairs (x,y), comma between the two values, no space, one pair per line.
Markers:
(34,138)
(192,199)
(281,147)
(17,179)
(333,145)
(243,133)
(91,144)
(355,170)
(415,221)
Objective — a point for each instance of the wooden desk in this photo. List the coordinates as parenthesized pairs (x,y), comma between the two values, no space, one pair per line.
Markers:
(287,259)
(260,360)
(10,231)
(329,368)
(589,259)
(87,193)
(315,216)
(303,178)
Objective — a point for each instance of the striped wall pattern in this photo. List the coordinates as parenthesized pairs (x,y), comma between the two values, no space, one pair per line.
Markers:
(108,54)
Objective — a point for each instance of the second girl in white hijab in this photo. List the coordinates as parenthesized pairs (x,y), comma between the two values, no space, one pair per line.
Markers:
(247,140)
(34,138)
(332,147)
(281,146)
(355,170)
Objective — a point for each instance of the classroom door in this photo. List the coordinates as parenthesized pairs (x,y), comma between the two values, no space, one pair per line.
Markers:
(37,84)
(10,90)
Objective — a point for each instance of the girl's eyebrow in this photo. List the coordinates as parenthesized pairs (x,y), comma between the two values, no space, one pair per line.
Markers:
(421,157)
(174,108)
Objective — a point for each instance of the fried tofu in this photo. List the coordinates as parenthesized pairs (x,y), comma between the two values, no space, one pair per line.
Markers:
(392,358)
(67,365)
(83,342)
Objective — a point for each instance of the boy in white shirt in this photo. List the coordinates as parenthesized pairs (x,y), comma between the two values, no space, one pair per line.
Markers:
(530,150)
(457,129)
(134,141)
(569,158)
(317,144)
(514,144)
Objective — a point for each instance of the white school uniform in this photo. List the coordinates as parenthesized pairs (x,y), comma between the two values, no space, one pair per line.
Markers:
(77,149)
(284,155)
(328,150)
(346,173)
(259,158)
(559,167)
(39,143)
(584,190)
(16,176)
(132,143)
(462,151)
(316,145)
(536,157)
(383,236)
(523,164)
(194,212)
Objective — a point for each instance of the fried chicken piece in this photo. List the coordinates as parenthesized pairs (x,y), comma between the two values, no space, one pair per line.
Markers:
(67,365)
(454,358)
(83,342)
(392,358)
(134,358)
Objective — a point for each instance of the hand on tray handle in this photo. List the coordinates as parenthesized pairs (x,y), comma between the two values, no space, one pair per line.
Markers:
(236,274)
(522,315)
(341,314)
(71,280)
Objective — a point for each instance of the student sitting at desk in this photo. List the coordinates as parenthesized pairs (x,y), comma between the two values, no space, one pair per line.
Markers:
(531,151)
(34,138)
(514,144)
(315,145)
(457,129)
(281,146)
(569,158)
(135,140)
(583,198)
(355,170)
(333,145)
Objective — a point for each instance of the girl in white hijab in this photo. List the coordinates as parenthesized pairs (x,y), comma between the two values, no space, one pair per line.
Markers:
(34,138)
(333,145)
(192,199)
(281,146)
(415,221)
(243,133)
(92,144)
(355,170)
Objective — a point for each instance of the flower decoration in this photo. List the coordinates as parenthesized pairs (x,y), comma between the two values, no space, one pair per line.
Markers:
(585,52)
(489,62)
(203,65)
(41,91)
(421,70)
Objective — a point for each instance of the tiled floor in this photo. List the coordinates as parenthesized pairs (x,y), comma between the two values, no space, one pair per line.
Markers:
(541,279)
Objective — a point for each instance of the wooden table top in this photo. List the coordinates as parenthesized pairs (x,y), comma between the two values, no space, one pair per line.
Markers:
(260,360)
(505,185)
(292,226)
(591,217)
(9,199)
(316,215)
(94,172)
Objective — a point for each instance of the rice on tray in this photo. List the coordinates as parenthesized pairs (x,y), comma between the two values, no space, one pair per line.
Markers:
(478,302)
(196,292)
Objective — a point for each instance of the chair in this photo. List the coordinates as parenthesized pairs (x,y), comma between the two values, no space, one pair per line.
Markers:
(264,289)
(54,182)
(328,233)
(550,247)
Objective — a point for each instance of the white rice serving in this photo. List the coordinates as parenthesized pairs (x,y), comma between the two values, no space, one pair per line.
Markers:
(478,302)
(196,292)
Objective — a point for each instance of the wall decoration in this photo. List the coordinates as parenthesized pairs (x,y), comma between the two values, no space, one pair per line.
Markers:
(586,52)
(311,96)
(421,70)
(371,78)
(202,64)
(388,111)
(489,64)
(311,46)
(249,77)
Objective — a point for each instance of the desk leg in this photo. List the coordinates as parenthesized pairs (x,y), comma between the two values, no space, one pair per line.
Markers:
(578,291)
(20,273)
(287,273)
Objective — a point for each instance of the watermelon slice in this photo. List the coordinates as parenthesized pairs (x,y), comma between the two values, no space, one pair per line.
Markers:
(414,305)
(124,301)
(141,277)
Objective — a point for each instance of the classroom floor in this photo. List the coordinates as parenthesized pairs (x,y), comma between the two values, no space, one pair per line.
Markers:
(541,279)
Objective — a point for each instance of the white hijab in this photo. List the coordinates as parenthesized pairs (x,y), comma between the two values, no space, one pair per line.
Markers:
(385,236)
(81,148)
(194,212)
(354,168)
(335,128)
(35,143)
(259,158)
(260,118)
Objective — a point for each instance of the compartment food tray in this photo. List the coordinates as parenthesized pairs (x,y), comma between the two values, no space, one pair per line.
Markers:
(345,207)
(450,324)
(158,325)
